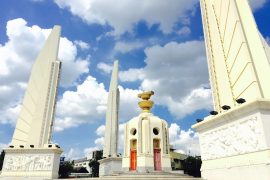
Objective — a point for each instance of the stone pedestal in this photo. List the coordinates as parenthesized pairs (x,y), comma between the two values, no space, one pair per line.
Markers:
(236,144)
(40,163)
(110,165)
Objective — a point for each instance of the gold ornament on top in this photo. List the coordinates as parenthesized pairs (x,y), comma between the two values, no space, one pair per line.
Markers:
(146,104)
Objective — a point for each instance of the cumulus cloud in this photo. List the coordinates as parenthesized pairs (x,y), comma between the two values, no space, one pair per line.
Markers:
(88,104)
(186,142)
(123,17)
(125,14)
(131,75)
(177,72)
(84,105)
(106,68)
(125,47)
(99,141)
(268,40)
(257,4)
(100,130)
(184,31)
(2,146)
(72,154)
(81,44)
(17,56)
(88,152)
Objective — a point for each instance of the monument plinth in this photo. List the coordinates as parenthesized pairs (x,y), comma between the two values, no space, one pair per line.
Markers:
(236,144)
(146,147)
(32,162)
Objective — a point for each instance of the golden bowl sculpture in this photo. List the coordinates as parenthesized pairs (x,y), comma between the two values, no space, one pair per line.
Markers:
(146,105)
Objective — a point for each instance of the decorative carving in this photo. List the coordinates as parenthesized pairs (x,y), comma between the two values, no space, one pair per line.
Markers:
(28,163)
(233,139)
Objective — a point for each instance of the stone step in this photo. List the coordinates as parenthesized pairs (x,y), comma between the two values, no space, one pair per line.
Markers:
(149,176)
(146,178)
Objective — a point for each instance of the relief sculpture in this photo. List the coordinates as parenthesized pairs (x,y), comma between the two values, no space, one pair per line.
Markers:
(28,163)
(233,139)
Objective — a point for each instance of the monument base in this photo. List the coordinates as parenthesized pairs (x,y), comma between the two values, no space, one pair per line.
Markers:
(110,165)
(33,163)
(253,166)
(236,144)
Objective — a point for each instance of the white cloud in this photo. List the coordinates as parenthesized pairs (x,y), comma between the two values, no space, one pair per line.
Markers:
(121,138)
(128,98)
(17,56)
(257,4)
(177,73)
(100,130)
(72,154)
(72,66)
(197,99)
(88,152)
(125,47)
(131,75)
(106,68)
(2,146)
(268,40)
(88,103)
(125,14)
(85,105)
(81,44)
(184,31)
(186,142)
(99,141)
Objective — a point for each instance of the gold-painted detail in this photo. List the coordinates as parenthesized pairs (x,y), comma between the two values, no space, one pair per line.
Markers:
(238,52)
(253,82)
(232,37)
(226,22)
(212,71)
(241,73)
(225,57)
(146,104)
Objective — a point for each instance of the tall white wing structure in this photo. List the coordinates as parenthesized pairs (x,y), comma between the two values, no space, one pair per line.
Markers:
(111,130)
(238,56)
(34,125)
(234,143)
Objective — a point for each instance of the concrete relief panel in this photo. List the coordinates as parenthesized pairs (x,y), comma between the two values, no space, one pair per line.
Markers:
(30,162)
(236,138)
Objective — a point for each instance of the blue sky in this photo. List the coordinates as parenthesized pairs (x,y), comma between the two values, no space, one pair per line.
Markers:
(159,45)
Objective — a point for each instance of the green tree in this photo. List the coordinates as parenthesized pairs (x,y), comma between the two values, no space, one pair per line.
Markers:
(65,169)
(2,156)
(94,164)
(192,166)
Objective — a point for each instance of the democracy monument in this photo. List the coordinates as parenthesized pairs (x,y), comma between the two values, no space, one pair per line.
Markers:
(234,139)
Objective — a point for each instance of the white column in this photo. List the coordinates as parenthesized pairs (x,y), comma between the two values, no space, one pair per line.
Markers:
(111,130)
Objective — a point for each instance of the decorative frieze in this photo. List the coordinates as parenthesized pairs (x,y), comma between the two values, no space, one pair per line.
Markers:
(239,137)
(29,162)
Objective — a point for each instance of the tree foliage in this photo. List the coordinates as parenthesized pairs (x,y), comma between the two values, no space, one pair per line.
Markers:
(192,166)
(2,156)
(65,169)
(94,164)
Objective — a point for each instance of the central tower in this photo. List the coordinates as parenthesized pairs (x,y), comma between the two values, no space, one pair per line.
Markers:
(146,147)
